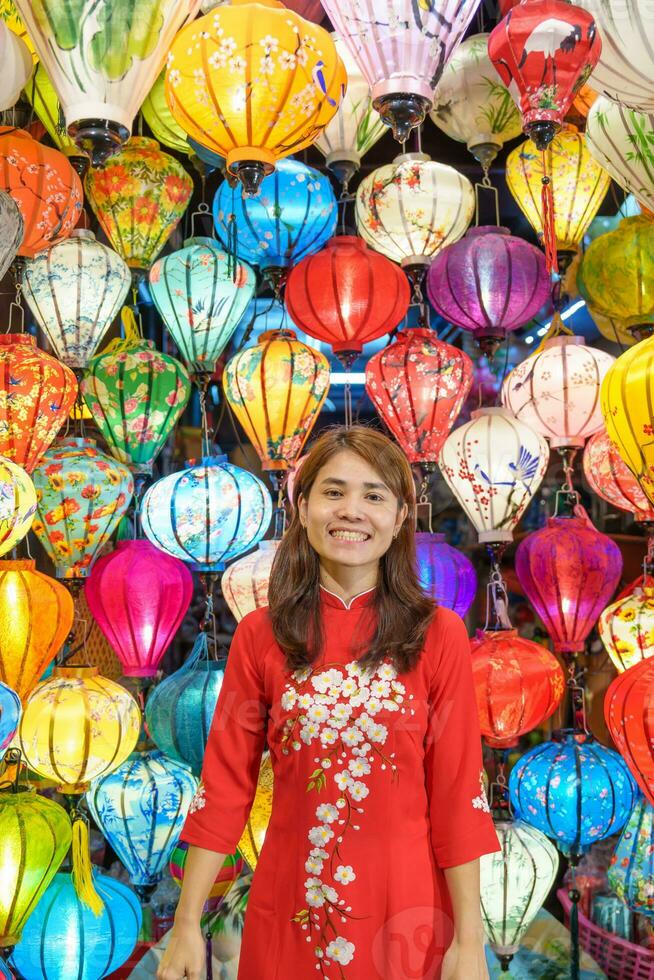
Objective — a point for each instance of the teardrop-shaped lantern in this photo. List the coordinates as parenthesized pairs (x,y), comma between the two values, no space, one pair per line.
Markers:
(15,67)
(621,141)
(631,871)
(276,390)
(610,478)
(41,95)
(625,70)
(629,716)
(12,230)
(445,573)
(165,128)
(10,709)
(626,628)
(17,504)
(494,464)
(244,584)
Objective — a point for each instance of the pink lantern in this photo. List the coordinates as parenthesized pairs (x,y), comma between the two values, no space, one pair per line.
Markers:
(292,477)
(568,571)
(610,478)
(139,596)
(245,582)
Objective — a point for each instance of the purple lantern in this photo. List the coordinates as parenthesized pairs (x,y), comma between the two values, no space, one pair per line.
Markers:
(568,571)
(445,574)
(489,282)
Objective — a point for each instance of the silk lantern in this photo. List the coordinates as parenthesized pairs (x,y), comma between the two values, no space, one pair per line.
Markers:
(269,82)
(165,128)
(207,514)
(568,571)
(276,390)
(231,869)
(139,597)
(411,209)
(37,393)
(612,329)
(35,834)
(631,871)
(621,141)
(82,495)
(445,574)
(140,807)
(12,230)
(17,504)
(556,390)
(472,106)
(629,716)
(418,385)
(244,584)
(610,478)
(626,628)
(519,684)
(138,197)
(201,300)
(10,709)
(75,290)
(45,187)
(135,395)
(36,616)
(16,67)
(41,95)
(493,465)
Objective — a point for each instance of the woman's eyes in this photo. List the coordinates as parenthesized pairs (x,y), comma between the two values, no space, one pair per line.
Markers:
(375,497)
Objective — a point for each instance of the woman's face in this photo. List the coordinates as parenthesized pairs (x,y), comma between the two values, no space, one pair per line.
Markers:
(351,515)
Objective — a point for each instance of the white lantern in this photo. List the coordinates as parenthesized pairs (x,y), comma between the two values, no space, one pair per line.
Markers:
(75,289)
(11,231)
(625,70)
(626,628)
(556,391)
(245,582)
(622,141)
(493,465)
(15,66)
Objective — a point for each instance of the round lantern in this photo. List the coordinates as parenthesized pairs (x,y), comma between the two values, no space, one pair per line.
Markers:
(179,710)
(626,628)
(17,504)
(293,216)
(140,807)
(11,231)
(37,393)
(418,385)
(43,184)
(244,584)
(445,574)
(489,282)
(36,616)
(207,514)
(201,300)
(573,789)
(94,945)
(10,709)
(138,197)
(494,464)
(556,390)
(631,872)
(411,209)
(519,684)
(629,716)
(472,106)
(165,128)
(620,139)
(75,290)
(136,395)
(610,478)
(612,329)
(270,82)
(515,881)
(35,834)
(625,70)
(77,726)
(139,597)
(254,834)
(334,295)
(276,390)
(231,869)
(568,570)
(103,61)
(41,95)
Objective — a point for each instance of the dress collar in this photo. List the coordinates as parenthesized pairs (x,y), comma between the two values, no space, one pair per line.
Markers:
(357,601)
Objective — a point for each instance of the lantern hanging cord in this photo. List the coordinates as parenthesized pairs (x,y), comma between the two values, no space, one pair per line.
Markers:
(497,600)
(576,692)
(17,306)
(499,799)
(486,185)
(232,246)
(567,493)
(418,299)
(203,388)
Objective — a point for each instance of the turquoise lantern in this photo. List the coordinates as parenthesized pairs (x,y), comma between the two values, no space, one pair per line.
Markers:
(631,873)
(64,940)
(201,295)
(207,514)
(140,808)
(210,159)
(179,710)
(10,709)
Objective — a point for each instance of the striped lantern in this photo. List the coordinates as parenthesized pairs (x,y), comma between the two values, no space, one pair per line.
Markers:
(610,478)
(629,715)
(17,504)
(631,871)
(626,628)
(621,139)
(11,231)
(10,709)
(162,123)
(231,869)
(244,584)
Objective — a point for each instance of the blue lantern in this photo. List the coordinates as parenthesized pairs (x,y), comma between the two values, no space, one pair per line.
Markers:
(210,159)
(140,808)
(64,940)
(445,573)
(5,972)
(573,789)
(293,216)
(631,873)
(10,710)
(179,710)
(207,514)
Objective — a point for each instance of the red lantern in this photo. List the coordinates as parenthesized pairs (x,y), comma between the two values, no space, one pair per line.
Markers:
(518,684)
(610,478)
(418,384)
(139,596)
(629,714)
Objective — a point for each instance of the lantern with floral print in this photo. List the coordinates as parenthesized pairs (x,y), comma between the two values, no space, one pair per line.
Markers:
(10,709)
(17,504)
(418,385)
(244,584)
(445,573)
(626,628)
(45,187)
(37,393)
(631,871)
(268,84)
(519,684)
(621,139)
(165,128)
(276,390)
(11,231)
(82,494)
(610,478)
(629,714)
(494,464)
(75,290)
(201,300)
(135,394)
(207,514)
(138,197)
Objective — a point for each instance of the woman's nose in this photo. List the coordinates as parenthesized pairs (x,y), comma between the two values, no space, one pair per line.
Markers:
(349,508)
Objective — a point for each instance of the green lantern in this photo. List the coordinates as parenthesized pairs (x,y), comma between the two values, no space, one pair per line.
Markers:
(164,126)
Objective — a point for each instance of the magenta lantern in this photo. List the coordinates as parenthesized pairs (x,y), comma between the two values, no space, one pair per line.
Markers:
(445,573)
(568,571)
(489,282)
(139,595)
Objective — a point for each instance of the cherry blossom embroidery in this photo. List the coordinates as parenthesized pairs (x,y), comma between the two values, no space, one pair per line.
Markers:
(199,800)
(481,802)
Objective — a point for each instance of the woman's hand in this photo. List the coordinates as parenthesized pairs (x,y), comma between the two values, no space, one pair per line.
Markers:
(463,961)
(185,955)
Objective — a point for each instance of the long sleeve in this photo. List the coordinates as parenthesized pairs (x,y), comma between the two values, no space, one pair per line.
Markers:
(220,808)
(461,825)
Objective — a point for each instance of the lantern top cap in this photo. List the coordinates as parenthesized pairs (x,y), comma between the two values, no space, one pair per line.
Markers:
(261,3)
(17,565)
(412,158)
(351,240)
(482,636)
(202,240)
(429,536)
(216,460)
(79,671)
(282,333)
(425,333)
(80,441)
(82,233)
(9,339)
(481,230)
(573,341)
(494,410)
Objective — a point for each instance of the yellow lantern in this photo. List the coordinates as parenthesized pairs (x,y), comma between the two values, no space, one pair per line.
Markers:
(17,504)
(626,628)
(77,726)
(254,82)
(611,328)
(164,126)
(254,834)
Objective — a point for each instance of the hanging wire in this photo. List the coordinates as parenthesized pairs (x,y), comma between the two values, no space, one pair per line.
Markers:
(206,438)
(16,305)
(576,691)
(567,493)
(499,800)
(485,185)
(497,600)
(208,624)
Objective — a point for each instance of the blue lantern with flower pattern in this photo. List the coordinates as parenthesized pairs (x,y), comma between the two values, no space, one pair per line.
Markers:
(631,872)
(10,709)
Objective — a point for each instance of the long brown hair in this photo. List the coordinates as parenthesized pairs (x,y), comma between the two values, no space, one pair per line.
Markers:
(402,610)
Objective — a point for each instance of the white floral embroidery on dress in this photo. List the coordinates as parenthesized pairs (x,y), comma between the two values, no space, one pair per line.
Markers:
(199,800)
(481,802)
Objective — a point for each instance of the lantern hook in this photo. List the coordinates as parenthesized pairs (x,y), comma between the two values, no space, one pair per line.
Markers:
(497,599)
(12,757)
(16,306)
(567,493)
(480,187)
(499,801)
(576,691)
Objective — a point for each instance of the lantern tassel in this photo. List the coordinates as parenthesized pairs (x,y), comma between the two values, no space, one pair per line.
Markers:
(82,868)
(549,232)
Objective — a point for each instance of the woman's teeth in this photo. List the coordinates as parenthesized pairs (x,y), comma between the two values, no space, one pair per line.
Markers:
(349,535)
